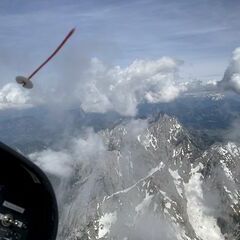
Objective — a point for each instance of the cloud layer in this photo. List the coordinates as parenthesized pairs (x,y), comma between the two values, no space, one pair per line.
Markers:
(89,148)
(231,79)
(13,96)
(98,87)
(122,89)
(62,163)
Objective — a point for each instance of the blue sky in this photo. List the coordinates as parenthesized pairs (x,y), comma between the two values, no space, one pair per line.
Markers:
(200,32)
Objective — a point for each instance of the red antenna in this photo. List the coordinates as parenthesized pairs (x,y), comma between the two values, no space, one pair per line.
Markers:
(26,82)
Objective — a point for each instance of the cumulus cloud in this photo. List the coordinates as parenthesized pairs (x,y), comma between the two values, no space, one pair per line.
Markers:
(54,162)
(61,163)
(122,89)
(98,87)
(90,148)
(13,96)
(167,94)
(231,79)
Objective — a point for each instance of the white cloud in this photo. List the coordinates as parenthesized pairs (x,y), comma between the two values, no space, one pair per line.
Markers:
(122,89)
(167,94)
(100,88)
(13,96)
(87,148)
(54,162)
(231,79)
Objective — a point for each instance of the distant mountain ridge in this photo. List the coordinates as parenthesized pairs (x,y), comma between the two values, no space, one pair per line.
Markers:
(207,118)
(175,178)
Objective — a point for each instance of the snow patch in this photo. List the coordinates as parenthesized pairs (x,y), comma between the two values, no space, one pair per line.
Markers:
(152,171)
(150,141)
(177,181)
(105,223)
(222,151)
(145,203)
(168,205)
(233,149)
(205,226)
(227,171)
(232,195)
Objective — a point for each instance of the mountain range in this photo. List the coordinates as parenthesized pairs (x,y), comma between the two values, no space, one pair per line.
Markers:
(156,184)
(172,172)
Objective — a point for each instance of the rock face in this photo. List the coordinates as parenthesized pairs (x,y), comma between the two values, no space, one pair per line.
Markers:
(153,182)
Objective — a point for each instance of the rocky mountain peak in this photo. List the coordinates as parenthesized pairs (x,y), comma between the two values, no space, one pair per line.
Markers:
(155,181)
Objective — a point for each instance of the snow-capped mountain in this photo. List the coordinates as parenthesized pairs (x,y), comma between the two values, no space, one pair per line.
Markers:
(153,182)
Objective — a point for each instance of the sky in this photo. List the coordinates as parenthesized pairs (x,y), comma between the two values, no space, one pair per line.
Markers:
(201,33)
(123,52)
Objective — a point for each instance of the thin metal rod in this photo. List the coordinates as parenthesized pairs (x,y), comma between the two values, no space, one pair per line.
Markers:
(54,53)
